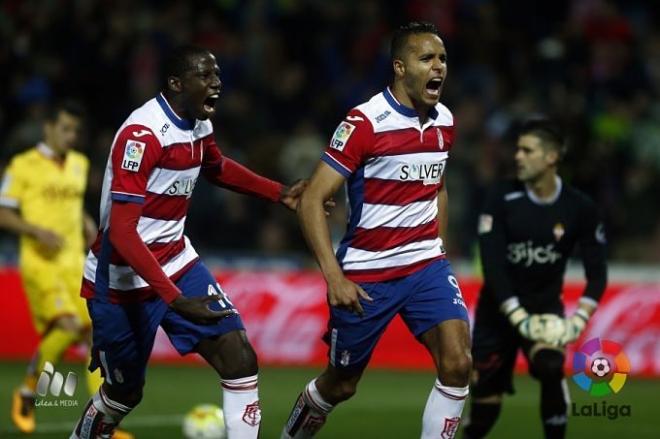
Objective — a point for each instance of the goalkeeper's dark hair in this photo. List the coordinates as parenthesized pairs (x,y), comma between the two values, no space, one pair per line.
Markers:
(400,37)
(179,61)
(69,106)
(549,131)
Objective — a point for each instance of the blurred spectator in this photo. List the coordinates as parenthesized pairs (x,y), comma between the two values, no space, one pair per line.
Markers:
(291,68)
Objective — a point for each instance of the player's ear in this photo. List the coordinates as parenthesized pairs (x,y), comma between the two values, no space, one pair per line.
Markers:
(174,83)
(399,67)
(552,155)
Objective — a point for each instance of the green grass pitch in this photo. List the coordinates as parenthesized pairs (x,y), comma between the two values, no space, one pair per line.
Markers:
(389,404)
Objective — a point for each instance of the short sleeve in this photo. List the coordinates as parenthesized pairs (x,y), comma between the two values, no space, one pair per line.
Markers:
(212,154)
(350,143)
(13,185)
(135,153)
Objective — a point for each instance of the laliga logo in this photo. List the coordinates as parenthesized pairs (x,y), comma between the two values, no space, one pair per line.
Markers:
(600,367)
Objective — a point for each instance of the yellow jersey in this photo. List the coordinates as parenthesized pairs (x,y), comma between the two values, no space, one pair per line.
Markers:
(48,194)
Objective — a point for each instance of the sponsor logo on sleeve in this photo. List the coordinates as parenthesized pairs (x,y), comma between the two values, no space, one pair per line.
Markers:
(133,153)
(341,136)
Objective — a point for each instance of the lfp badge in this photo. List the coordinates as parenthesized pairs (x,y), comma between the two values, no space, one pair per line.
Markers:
(600,367)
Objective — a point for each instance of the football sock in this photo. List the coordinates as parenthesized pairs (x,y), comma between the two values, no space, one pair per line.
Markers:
(482,418)
(50,349)
(308,414)
(240,403)
(554,406)
(100,418)
(442,414)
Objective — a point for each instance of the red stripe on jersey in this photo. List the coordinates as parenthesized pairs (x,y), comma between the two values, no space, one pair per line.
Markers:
(385,274)
(406,141)
(397,193)
(384,238)
(165,207)
(131,296)
(163,252)
(183,155)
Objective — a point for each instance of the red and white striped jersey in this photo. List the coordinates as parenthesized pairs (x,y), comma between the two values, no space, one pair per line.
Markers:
(394,169)
(155,161)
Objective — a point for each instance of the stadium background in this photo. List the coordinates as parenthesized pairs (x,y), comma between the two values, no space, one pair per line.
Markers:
(290,70)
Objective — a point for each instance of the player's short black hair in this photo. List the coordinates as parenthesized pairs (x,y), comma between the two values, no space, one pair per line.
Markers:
(400,37)
(549,131)
(178,61)
(69,106)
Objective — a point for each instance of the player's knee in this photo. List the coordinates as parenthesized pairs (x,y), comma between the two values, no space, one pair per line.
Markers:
(69,323)
(243,364)
(547,364)
(455,370)
(129,397)
(343,390)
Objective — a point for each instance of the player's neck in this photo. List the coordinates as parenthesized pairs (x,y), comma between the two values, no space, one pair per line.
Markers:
(545,187)
(404,99)
(50,152)
(176,106)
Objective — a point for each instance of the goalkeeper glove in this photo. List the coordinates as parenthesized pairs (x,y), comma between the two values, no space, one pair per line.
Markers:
(517,315)
(575,325)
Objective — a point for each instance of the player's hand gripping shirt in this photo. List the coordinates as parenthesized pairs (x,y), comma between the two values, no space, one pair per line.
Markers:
(48,194)
(394,169)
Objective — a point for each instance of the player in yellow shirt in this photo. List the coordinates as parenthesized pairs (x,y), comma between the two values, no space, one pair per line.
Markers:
(41,200)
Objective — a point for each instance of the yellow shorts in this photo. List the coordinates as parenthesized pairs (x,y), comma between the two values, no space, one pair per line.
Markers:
(54,292)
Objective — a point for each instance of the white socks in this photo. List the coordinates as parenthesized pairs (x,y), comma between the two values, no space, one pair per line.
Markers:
(442,413)
(240,403)
(100,418)
(308,414)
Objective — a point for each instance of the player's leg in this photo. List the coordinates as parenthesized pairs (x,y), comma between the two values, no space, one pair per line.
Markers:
(54,316)
(232,356)
(546,364)
(494,349)
(123,336)
(437,316)
(226,348)
(351,341)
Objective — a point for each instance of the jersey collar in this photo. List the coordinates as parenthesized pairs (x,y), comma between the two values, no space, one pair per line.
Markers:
(48,152)
(549,200)
(183,124)
(402,109)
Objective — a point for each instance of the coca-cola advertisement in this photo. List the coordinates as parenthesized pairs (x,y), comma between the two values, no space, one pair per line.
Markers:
(285,313)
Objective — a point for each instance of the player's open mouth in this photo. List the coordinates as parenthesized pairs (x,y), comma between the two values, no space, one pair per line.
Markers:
(209,103)
(433,87)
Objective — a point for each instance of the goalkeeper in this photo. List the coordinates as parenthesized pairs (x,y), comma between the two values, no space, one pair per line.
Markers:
(527,231)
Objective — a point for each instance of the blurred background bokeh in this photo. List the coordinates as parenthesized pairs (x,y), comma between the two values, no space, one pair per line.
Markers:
(292,68)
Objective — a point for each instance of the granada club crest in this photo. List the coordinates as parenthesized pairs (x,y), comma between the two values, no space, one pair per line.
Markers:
(252,414)
(441,140)
(451,427)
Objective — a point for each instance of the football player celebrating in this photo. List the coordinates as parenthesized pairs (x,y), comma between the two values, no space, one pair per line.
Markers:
(391,153)
(527,230)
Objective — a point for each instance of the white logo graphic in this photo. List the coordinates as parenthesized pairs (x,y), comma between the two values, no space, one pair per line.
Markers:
(525,253)
(354,118)
(54,381)
(133,154)
(141,133)
(441,139)
(485,224)
(600,234)
(341,136)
